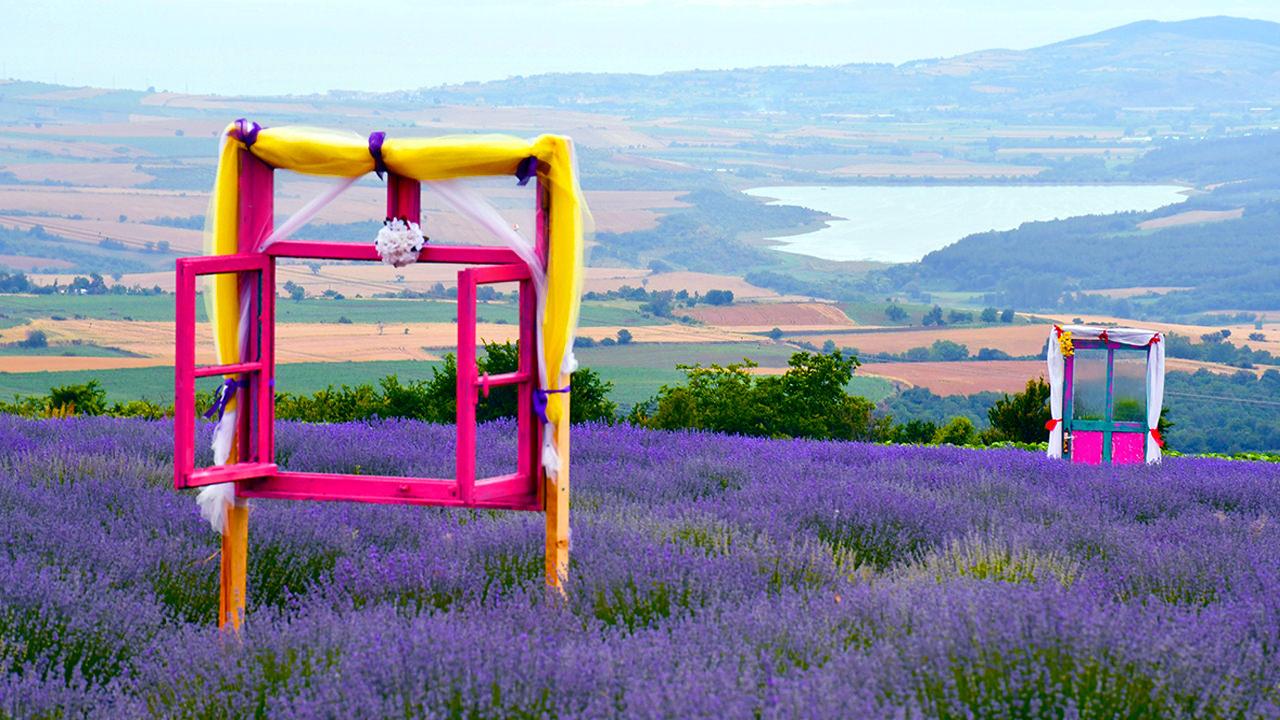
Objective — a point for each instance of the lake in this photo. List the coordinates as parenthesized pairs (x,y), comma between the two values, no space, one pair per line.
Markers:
(903,223)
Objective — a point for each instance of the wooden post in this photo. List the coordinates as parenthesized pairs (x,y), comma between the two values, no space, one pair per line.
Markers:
(255,207)
(235,565)
(554,491)
(556,497)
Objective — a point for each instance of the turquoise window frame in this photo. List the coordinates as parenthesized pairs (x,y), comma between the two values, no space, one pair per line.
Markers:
(1108,426)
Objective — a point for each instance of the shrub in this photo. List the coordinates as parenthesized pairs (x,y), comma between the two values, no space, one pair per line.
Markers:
(959,431)
(35,339)
(933,317)
(718,297)
(1021,417)
(808,400)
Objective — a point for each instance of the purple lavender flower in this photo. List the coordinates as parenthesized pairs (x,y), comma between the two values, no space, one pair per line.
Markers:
(711,576)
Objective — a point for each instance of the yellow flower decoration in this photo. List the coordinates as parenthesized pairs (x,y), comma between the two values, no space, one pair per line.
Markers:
(1064,342)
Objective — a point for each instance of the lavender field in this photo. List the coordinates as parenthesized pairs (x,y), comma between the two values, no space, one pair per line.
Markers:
(711,577)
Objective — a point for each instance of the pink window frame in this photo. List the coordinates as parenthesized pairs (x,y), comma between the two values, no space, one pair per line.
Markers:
(255,471)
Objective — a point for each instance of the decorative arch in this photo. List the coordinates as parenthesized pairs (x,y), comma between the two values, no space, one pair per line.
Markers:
(243,246)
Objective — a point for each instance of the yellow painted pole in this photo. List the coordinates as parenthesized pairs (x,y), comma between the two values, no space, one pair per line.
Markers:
(557,504)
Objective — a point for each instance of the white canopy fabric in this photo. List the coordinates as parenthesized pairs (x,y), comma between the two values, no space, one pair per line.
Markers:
(1135,337)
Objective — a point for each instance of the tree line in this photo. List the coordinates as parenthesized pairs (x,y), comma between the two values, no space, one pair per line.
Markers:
(1207,412)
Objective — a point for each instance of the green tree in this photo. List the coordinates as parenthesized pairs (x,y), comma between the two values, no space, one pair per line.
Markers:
(959,431)
(624,337)
(948,351)
(718,297)
(895,313)
(808,400)
(87,399)
(914,432)
(35,339)
(933,317)
(990,315)
(1007,316)
(1021,417)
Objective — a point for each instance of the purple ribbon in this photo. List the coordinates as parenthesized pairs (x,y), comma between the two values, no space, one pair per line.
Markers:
(375,149)
(527,168)
(540,398)
(247,132)
(221,397)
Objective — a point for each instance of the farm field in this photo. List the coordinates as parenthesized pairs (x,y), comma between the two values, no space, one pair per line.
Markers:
(849,580)
(1013,339)
(756,317)
(636,370)
(159,308)
(974,376)
(959,378)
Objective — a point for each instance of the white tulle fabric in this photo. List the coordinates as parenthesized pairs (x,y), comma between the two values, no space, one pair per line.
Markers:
(215,499)
(1136,337)
(308,212)
(471,204)
(1057,371)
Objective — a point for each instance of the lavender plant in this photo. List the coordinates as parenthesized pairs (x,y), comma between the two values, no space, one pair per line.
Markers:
(711,576)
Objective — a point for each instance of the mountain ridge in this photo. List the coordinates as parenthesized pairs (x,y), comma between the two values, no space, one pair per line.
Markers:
(1213,66)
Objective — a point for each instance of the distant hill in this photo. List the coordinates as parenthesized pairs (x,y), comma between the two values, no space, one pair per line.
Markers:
(1212,69)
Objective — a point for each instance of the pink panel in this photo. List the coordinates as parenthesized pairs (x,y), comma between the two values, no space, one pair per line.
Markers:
(1086,447)
(1128,448)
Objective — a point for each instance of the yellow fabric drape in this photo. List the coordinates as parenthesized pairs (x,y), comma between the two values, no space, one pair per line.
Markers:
(223,303)
(330,152)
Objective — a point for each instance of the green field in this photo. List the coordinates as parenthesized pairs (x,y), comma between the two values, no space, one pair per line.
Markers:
(665,356)
(66,350)
(872,313)
(17,309)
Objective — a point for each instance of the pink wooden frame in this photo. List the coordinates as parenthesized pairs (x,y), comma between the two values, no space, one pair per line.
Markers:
(255,471)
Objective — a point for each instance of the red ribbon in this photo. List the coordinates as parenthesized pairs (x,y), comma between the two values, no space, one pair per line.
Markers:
(1058,329)
(1155,435)
(1154,339)
(1103,336)
(1053,423)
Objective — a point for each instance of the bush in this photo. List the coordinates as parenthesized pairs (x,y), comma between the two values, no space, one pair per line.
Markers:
(87,399)
(809,400)
(895,313)
(960,431)
(914,432)
(718,297)
(933,317)
(990,315)
(35,339)
(1021,417)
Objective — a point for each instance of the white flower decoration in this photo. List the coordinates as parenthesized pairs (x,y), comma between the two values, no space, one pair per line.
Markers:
(399,242)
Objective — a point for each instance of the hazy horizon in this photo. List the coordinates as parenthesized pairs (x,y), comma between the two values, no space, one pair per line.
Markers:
(293,47)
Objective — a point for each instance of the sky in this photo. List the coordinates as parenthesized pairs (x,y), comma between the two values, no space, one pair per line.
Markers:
(257,47)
